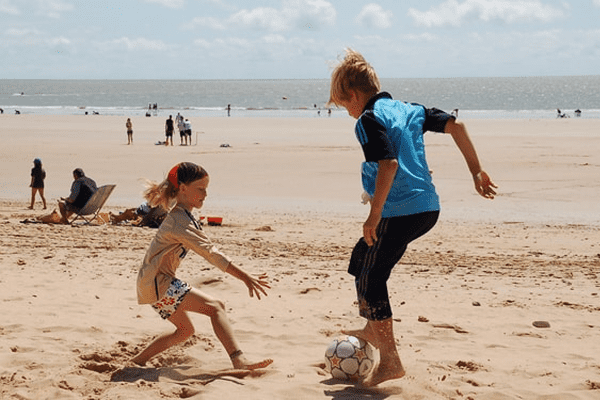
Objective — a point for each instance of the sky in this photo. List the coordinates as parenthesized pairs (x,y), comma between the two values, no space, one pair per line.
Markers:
(296,39)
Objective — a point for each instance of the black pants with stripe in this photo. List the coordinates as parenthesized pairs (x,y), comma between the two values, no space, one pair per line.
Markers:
(371,266)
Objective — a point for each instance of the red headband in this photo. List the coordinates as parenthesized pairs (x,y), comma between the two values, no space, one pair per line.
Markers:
(173,176)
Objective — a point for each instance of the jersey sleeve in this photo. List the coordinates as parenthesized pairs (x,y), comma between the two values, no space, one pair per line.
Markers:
(373,138)
(435,120)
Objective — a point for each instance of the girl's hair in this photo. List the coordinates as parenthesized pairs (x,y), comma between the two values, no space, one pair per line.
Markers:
(165,192)
(352,73)
(37,162)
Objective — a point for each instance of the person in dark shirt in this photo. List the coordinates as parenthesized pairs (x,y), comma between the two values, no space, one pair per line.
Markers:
(81,190)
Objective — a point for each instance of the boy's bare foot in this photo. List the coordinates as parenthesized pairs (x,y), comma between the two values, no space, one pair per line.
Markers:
(365,334)
(384,372)
(241,362)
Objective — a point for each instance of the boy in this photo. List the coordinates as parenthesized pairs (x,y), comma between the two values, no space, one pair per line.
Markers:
(404,203)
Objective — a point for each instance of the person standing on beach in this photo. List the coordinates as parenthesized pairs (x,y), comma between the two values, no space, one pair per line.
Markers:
(129,127)
(169,130)
(187,129)
(186,185)
(37,182)
(181,127)
(404,203)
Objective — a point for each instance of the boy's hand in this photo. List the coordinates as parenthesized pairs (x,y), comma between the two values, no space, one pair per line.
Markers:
(370,229)
(484,185)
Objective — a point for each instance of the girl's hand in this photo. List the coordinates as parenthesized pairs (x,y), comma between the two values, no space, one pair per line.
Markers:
(256,285)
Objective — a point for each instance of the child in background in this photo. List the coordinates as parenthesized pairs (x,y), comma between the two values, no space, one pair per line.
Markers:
(404,203)
(37,182)
(172,298)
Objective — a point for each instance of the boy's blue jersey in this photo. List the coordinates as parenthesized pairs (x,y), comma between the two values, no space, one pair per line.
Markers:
(391,129)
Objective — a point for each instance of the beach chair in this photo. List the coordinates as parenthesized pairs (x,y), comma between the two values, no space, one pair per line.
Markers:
(90,210)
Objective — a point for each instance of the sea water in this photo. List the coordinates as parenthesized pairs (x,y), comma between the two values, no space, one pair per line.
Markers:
(501,98)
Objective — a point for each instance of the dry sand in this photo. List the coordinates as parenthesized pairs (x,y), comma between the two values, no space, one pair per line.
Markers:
(464,296)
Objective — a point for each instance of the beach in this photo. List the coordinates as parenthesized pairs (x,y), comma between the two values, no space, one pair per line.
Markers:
(465,296)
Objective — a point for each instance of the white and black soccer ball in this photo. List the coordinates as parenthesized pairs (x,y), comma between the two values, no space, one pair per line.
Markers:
(349,357)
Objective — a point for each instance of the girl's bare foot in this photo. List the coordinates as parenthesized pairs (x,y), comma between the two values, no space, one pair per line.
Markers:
(241,362)
(137,362)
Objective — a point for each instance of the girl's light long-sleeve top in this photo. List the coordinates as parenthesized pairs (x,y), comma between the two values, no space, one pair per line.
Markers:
(178,234)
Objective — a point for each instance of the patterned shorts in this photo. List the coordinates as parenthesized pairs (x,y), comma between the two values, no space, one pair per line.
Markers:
(167,305)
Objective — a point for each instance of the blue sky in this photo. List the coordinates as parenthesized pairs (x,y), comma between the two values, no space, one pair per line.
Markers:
(278,39)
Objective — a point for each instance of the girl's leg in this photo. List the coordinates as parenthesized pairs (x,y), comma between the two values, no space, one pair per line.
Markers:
(184,330)
(199,302)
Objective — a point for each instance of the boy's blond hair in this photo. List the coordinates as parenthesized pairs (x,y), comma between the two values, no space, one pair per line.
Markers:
(352,73)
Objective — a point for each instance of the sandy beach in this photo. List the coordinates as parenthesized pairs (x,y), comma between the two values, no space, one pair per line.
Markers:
(465,296)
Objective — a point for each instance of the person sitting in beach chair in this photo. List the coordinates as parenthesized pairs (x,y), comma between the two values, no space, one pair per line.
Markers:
(81,190)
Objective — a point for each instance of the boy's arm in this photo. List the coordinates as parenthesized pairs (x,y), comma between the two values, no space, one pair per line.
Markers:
(483,183)
(383,184)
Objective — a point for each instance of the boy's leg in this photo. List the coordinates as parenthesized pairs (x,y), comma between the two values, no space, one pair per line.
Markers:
(381,335)
(371,267)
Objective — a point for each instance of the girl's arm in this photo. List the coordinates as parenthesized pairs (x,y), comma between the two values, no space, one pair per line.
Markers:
(255,285)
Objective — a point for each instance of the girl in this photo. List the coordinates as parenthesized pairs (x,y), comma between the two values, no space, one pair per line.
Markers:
(172,298)
(37,182)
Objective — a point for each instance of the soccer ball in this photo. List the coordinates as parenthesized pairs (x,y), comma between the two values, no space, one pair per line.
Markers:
(348,358)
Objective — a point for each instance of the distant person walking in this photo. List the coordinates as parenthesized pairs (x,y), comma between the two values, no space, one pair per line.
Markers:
(169,131)
(37,182)
(129,126)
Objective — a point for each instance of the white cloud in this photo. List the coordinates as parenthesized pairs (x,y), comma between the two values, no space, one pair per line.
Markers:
(374,16)
(54,8)
(57,41)
(455,13)
(7,8)
(207,22)
(293,14)
(262,17)
(274,39)
(597,3)
(140,44)
(21,32)
(168,3)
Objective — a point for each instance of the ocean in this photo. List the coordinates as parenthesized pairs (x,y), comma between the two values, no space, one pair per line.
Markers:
(496,98)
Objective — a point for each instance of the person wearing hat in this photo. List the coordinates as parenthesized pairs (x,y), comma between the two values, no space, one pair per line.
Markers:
(37,182)
(81,190)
